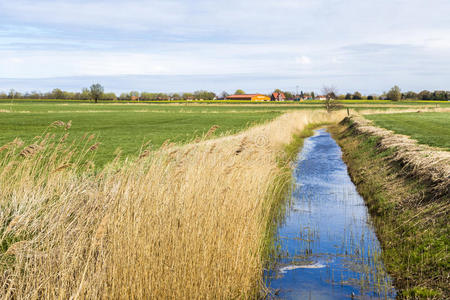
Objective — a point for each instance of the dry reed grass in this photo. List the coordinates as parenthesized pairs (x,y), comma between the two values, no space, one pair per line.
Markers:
(180,222)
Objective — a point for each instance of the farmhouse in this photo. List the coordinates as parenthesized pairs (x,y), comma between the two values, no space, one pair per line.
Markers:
(278,97)
(249,97)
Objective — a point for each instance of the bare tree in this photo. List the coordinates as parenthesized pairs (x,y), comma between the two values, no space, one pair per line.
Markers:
(224,95)
(330,93)
(96,92)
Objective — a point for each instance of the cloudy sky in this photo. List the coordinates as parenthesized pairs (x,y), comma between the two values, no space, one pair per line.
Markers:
(256,45)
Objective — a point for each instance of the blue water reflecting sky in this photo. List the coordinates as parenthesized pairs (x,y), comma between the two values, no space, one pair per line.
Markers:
(327,245)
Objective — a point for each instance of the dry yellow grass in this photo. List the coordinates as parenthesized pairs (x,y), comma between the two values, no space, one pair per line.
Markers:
(180,222)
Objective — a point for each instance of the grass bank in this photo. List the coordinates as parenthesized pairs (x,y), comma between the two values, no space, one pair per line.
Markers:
(176,222)
(410,217)
(430,128)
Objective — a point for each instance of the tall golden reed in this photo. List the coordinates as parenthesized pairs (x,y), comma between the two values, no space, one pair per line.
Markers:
(180,222)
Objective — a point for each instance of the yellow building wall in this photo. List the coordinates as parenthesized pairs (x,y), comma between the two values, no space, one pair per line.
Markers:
(260,98)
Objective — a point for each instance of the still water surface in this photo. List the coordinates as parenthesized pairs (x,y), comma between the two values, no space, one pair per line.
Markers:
(328,248)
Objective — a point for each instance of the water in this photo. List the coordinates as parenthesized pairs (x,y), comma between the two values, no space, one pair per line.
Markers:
(328,248)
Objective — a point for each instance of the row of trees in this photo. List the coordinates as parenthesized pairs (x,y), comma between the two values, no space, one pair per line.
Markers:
(427,95)
(96,92)
(396,94)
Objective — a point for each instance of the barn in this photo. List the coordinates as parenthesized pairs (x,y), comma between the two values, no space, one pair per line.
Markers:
(321,97)
(249,97)
(278,97)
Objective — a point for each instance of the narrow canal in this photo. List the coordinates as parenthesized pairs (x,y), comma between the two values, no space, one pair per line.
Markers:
(328,248)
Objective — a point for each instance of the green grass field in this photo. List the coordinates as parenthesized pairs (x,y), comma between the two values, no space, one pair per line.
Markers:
(129,125)
(427,128)
(124,126)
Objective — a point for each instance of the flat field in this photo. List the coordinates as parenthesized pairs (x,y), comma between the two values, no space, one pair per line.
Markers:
(129,125)
(124,126)
(431,128)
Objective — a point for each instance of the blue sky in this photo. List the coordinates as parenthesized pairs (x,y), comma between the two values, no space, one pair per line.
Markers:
(176,46)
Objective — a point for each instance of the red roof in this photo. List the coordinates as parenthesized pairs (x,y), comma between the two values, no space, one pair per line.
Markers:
(243,96)
(275,95)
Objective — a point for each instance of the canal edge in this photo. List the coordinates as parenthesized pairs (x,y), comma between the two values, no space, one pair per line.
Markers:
(402,213)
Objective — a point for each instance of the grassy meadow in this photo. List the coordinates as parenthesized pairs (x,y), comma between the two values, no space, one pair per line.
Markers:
(127,126)
(124,126)
(430,128)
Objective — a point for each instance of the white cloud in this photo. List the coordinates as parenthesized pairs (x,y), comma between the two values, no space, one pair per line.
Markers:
(341,39)
(303,60)
(127,15)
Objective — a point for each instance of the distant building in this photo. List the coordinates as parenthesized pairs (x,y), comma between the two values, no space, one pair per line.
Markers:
(248,97)
(321,98)
(304,98)
(278,97)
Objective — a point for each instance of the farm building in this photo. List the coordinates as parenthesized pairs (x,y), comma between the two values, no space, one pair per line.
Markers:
(278,97)
(249,97)
(324,97)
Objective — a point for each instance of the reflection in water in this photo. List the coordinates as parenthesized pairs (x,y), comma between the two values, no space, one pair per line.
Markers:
(328,249)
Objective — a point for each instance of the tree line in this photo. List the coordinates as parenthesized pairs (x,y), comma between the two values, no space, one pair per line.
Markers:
(96,92)
(395,94)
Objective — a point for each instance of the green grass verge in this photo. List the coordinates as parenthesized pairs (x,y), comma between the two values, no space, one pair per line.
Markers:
(414,233)
(427,128)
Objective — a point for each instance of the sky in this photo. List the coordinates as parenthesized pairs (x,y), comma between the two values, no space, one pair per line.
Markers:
(255,45)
